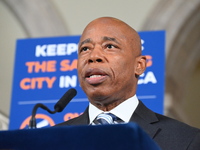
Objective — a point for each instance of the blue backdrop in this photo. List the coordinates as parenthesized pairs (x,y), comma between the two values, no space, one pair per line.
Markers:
(45,68)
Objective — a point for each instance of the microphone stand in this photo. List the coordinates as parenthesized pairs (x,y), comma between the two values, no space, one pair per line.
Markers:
(32,122)
(59,106)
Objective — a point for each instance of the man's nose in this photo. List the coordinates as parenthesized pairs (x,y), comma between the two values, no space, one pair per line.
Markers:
(96,55)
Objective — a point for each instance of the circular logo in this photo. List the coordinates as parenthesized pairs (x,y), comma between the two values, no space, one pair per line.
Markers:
(44,121)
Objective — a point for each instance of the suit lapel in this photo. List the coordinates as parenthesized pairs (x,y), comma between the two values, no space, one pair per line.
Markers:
(82,119)
(145,118)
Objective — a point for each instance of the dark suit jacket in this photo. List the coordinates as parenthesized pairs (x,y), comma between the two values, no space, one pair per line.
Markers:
(168,133)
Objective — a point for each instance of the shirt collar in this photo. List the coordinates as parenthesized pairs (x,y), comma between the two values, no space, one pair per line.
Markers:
(124,110)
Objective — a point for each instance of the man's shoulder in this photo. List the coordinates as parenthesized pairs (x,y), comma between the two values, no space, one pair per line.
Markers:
(167,132)
(162,121)
(175,125)
(83,119)
(178,133)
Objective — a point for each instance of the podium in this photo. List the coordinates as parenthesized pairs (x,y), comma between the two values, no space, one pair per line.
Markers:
(100,137)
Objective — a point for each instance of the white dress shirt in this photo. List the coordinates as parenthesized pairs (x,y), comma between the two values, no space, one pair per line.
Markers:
(124,110)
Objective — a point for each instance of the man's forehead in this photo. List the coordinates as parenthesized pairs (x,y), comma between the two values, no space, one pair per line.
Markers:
(104,38)
(120,30)
(109,29)
(103,33)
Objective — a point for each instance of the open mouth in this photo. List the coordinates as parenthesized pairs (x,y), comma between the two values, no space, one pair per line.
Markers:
(95,76)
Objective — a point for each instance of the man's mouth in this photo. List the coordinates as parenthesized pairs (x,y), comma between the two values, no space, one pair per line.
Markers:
(95,76)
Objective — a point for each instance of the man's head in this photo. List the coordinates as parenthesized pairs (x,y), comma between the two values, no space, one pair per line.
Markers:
(109,62)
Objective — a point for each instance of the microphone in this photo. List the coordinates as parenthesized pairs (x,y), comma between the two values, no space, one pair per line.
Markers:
(58,107)
(65,99)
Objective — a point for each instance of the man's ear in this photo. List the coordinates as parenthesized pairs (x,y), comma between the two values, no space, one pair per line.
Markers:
(141,65)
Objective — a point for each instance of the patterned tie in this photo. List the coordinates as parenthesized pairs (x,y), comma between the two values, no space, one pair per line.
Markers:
(107,118)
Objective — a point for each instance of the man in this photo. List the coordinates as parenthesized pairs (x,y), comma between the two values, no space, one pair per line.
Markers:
(109,64)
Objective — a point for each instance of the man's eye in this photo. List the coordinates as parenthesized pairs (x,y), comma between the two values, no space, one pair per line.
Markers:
(110,46)
(84,49)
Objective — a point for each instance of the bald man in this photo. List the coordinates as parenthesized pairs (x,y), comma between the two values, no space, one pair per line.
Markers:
(109,64)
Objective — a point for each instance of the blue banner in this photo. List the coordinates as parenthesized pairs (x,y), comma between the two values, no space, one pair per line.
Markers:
(45,68)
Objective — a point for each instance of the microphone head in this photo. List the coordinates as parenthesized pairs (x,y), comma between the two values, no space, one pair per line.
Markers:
(65,99)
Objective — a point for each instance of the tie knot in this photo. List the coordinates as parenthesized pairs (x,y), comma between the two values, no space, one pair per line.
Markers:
(107,118)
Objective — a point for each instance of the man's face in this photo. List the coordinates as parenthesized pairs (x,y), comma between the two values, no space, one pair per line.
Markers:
(107,63)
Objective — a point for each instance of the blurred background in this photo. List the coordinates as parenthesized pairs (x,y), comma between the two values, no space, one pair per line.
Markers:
(46,18)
